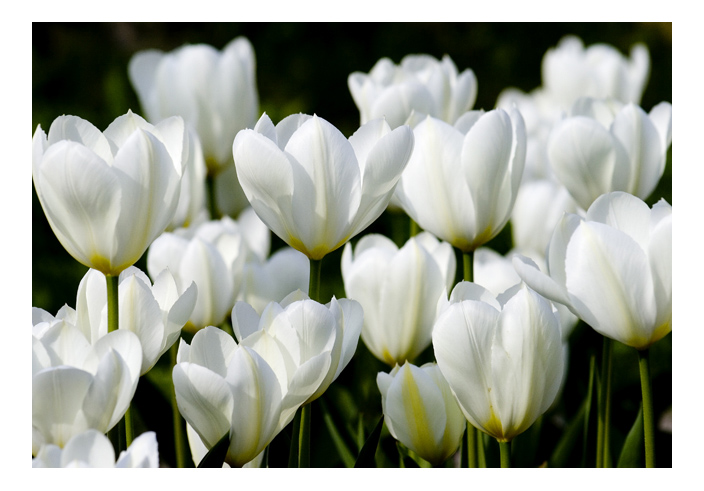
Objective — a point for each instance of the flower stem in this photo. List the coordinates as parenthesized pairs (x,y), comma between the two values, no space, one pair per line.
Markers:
(468,263)
(505,449)
(604,405)
(304,437)
(212,200)
(179,442)
(648,423)
(314,281)
(469,455)
(113,307)
(471,441)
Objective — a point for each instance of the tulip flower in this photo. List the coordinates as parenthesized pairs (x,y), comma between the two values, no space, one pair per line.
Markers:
(93,449)
(225,389)
(214,91)
(605,147)
(211,255)
(199,450)
(461,182)
(502,357)
(78,384)
(613,268)
(420,84)
(302,333)
(252,390)
(108,195)
(570,71)
(400,290)
(314,188)
(155,313)
(420,411)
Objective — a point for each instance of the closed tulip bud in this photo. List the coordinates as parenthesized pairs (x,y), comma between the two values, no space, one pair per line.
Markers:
(502,357)
(461,182)
(108,195)
(612,268)
(605,147)
(313,187)
(419,84)
(420,411)
(400,290)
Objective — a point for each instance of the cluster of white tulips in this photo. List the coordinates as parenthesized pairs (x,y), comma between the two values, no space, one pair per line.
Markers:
(202,179)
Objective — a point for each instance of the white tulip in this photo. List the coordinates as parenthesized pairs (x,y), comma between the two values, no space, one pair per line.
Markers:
(314,188)
(108,195)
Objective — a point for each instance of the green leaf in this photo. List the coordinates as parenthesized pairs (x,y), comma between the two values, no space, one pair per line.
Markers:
(216,456)
(406,459)
(342,449)
(293,452)
(569,439)
(632,450)
(366,455)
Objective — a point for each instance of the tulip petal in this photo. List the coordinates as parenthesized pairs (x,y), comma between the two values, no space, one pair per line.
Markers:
(212,348)
(204,400)
(81,198)
(57,399)
(608,277)
(90,448)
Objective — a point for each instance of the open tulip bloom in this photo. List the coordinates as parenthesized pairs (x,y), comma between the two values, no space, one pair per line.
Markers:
(461,181)
(108,195)
(613,268)
(251,390)
(313,187)
(502,357)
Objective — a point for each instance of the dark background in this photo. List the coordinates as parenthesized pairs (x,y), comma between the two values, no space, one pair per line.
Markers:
(81,69)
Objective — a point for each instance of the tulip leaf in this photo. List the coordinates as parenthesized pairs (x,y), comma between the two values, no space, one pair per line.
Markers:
(216,455)
(366,455)
(569,439)
(406,459)
(295,436)
(632,450)
(342,448)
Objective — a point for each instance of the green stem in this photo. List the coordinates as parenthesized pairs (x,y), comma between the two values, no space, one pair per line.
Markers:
(648,423)
(603,404)
(179,441)
(304,438)
(588,406)
(128,427)
(481,455)
(314,281)
(468,263)
(469,456)
(212,199)
(607,409)
(113,307)
(505,449)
